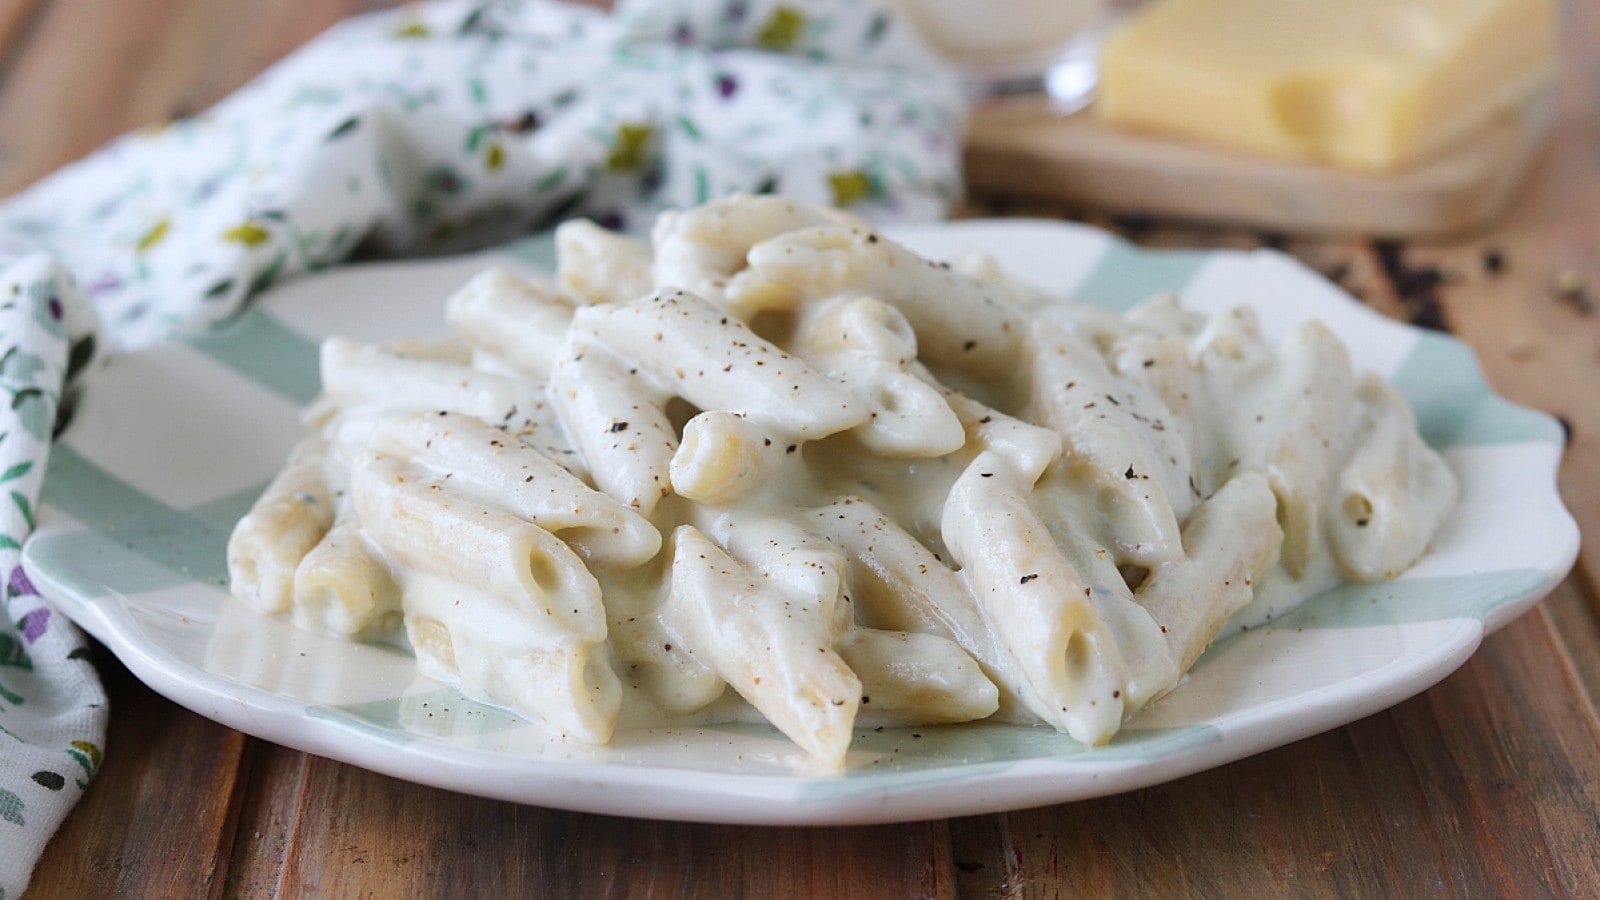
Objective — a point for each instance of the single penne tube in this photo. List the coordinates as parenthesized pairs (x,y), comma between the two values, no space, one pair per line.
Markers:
(601,266)
(1029,448)
(1391,494)
(798,562)
(1231,539)
(747,631)
(515,322)
(702,354)
(859,325)
(488,645)
(424,524)
(349,434)
(617,420)
(868,345)
(1136,475)
(1162,367)
(1149,668)
(445,349)
(286,521)
(1231,340)
(500,470)
(703,250)
(540,427)
(656,659)
(1297,434)
(364,376)
(916,679)
(957,322)
(724,458)
(1038,605)
(343,587)
(1164,315)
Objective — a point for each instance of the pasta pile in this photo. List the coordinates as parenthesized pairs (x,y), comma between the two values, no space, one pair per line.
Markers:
(773,450)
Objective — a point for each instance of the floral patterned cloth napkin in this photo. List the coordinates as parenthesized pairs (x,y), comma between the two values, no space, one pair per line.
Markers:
(428,129)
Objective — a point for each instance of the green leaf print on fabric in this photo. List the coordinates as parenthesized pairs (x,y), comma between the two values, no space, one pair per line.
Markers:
(23,507)
(551,179)
(630,148)
(248,234)
(86,755)
(14,654)
(11,807)
(689,129)
(269,274)
(36,412)
(80,355)
(783,30)
(344,128)
(849,187)
(154,236)
(20,366)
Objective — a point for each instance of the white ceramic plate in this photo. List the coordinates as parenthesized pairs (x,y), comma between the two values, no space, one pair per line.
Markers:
(171,445)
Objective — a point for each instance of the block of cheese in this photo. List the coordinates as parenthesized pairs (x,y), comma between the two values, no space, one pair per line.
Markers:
(1365,85)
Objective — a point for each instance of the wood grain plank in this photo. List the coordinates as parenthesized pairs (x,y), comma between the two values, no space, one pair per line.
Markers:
(157,821)
(359,832)
(14,18)
(270,801)
(1575,611)
(1471,789)
(76,84)
(1025,147)
(91,71)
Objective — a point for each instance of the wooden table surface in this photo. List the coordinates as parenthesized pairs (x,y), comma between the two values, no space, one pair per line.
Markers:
(1485,785)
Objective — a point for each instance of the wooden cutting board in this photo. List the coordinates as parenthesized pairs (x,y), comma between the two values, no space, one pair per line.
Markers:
(1022,149)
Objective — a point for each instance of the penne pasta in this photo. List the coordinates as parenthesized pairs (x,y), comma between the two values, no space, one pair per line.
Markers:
(600,266)
(373,379)
(1038,605)
(342,586)
(515,324)
(777,656)
(286,521)
(867,344)
(705,250)
(724,458)
(917,679)
(497,469)
(492,647)
(898,584)
(898,491)
(1136,473)
(1392,493)
(426,526)
(617,420)
(957,322)
(695,351)
(1231,541)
